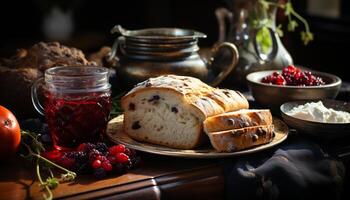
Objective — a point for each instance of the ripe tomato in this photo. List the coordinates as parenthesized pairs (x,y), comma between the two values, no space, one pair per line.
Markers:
(10,133)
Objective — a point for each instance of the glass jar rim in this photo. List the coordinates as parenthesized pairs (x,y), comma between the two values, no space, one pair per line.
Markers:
(89,69)
(76,79)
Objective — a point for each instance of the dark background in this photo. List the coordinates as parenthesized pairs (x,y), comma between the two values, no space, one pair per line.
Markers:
(21,26)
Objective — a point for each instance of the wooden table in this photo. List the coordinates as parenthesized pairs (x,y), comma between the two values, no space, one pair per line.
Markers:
(158,178)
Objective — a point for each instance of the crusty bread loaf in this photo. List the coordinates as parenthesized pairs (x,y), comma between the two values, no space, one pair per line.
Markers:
(237,119)
(238,139)
(169,110)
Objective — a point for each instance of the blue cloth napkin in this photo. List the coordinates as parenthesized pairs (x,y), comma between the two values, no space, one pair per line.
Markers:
(298,169)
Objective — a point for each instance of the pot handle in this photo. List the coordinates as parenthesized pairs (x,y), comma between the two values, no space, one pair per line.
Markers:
(113,54)
(216,59)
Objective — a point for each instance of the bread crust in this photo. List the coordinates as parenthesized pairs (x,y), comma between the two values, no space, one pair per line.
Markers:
(237,119)
(210,101)
(238,139)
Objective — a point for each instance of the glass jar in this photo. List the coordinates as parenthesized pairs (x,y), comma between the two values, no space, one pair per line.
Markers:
(77,104)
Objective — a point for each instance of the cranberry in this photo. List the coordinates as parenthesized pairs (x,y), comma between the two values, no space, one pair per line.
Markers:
(98,157)
(122,157)
(280,80)
(292,75)
(117,149)
(106,165)
(96,164)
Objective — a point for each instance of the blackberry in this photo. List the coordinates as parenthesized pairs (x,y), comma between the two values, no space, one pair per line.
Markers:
(135,161)
(102,147)
(45,129)
(128,165)
(93,154)
(46,138)
(100,173)
(79,156)
(130,152)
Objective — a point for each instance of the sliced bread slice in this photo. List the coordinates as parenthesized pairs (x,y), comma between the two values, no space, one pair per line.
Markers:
(237,119)
(238,139)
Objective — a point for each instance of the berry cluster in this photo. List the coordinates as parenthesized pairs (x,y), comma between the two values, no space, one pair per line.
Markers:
(293,76)
(97,159)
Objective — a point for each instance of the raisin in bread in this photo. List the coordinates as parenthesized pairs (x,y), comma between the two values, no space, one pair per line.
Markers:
(238,139)
(169,110)
(237,119)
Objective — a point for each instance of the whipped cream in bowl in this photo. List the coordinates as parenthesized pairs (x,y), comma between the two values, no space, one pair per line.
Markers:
(316,111)
(323,118)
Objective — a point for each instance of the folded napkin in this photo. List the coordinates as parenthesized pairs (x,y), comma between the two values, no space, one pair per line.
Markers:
(298,169)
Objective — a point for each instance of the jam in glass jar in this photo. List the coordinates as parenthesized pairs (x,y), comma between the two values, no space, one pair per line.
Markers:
(77,104)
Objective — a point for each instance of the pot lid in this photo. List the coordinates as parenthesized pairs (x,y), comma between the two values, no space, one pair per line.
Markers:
(159,33)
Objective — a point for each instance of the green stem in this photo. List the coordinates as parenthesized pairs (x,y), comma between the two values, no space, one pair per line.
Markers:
(34,139)
(50,171)
(48,190)
(54,164)
(302,19)
(48,161)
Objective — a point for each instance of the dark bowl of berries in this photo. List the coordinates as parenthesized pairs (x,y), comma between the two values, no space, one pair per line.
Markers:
(272,88)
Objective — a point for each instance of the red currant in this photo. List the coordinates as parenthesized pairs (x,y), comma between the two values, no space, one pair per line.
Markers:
(106,165)
(280,80)
(122,157)
(98,157)
(96,164)
(120,148)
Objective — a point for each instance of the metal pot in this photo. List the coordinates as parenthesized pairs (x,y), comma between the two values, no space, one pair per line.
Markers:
(146,53)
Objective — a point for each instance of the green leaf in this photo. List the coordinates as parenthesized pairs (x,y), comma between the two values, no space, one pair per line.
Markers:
(264,39)
(306,37)
(279,30)
(51,182)
(292,25)
(288,8)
